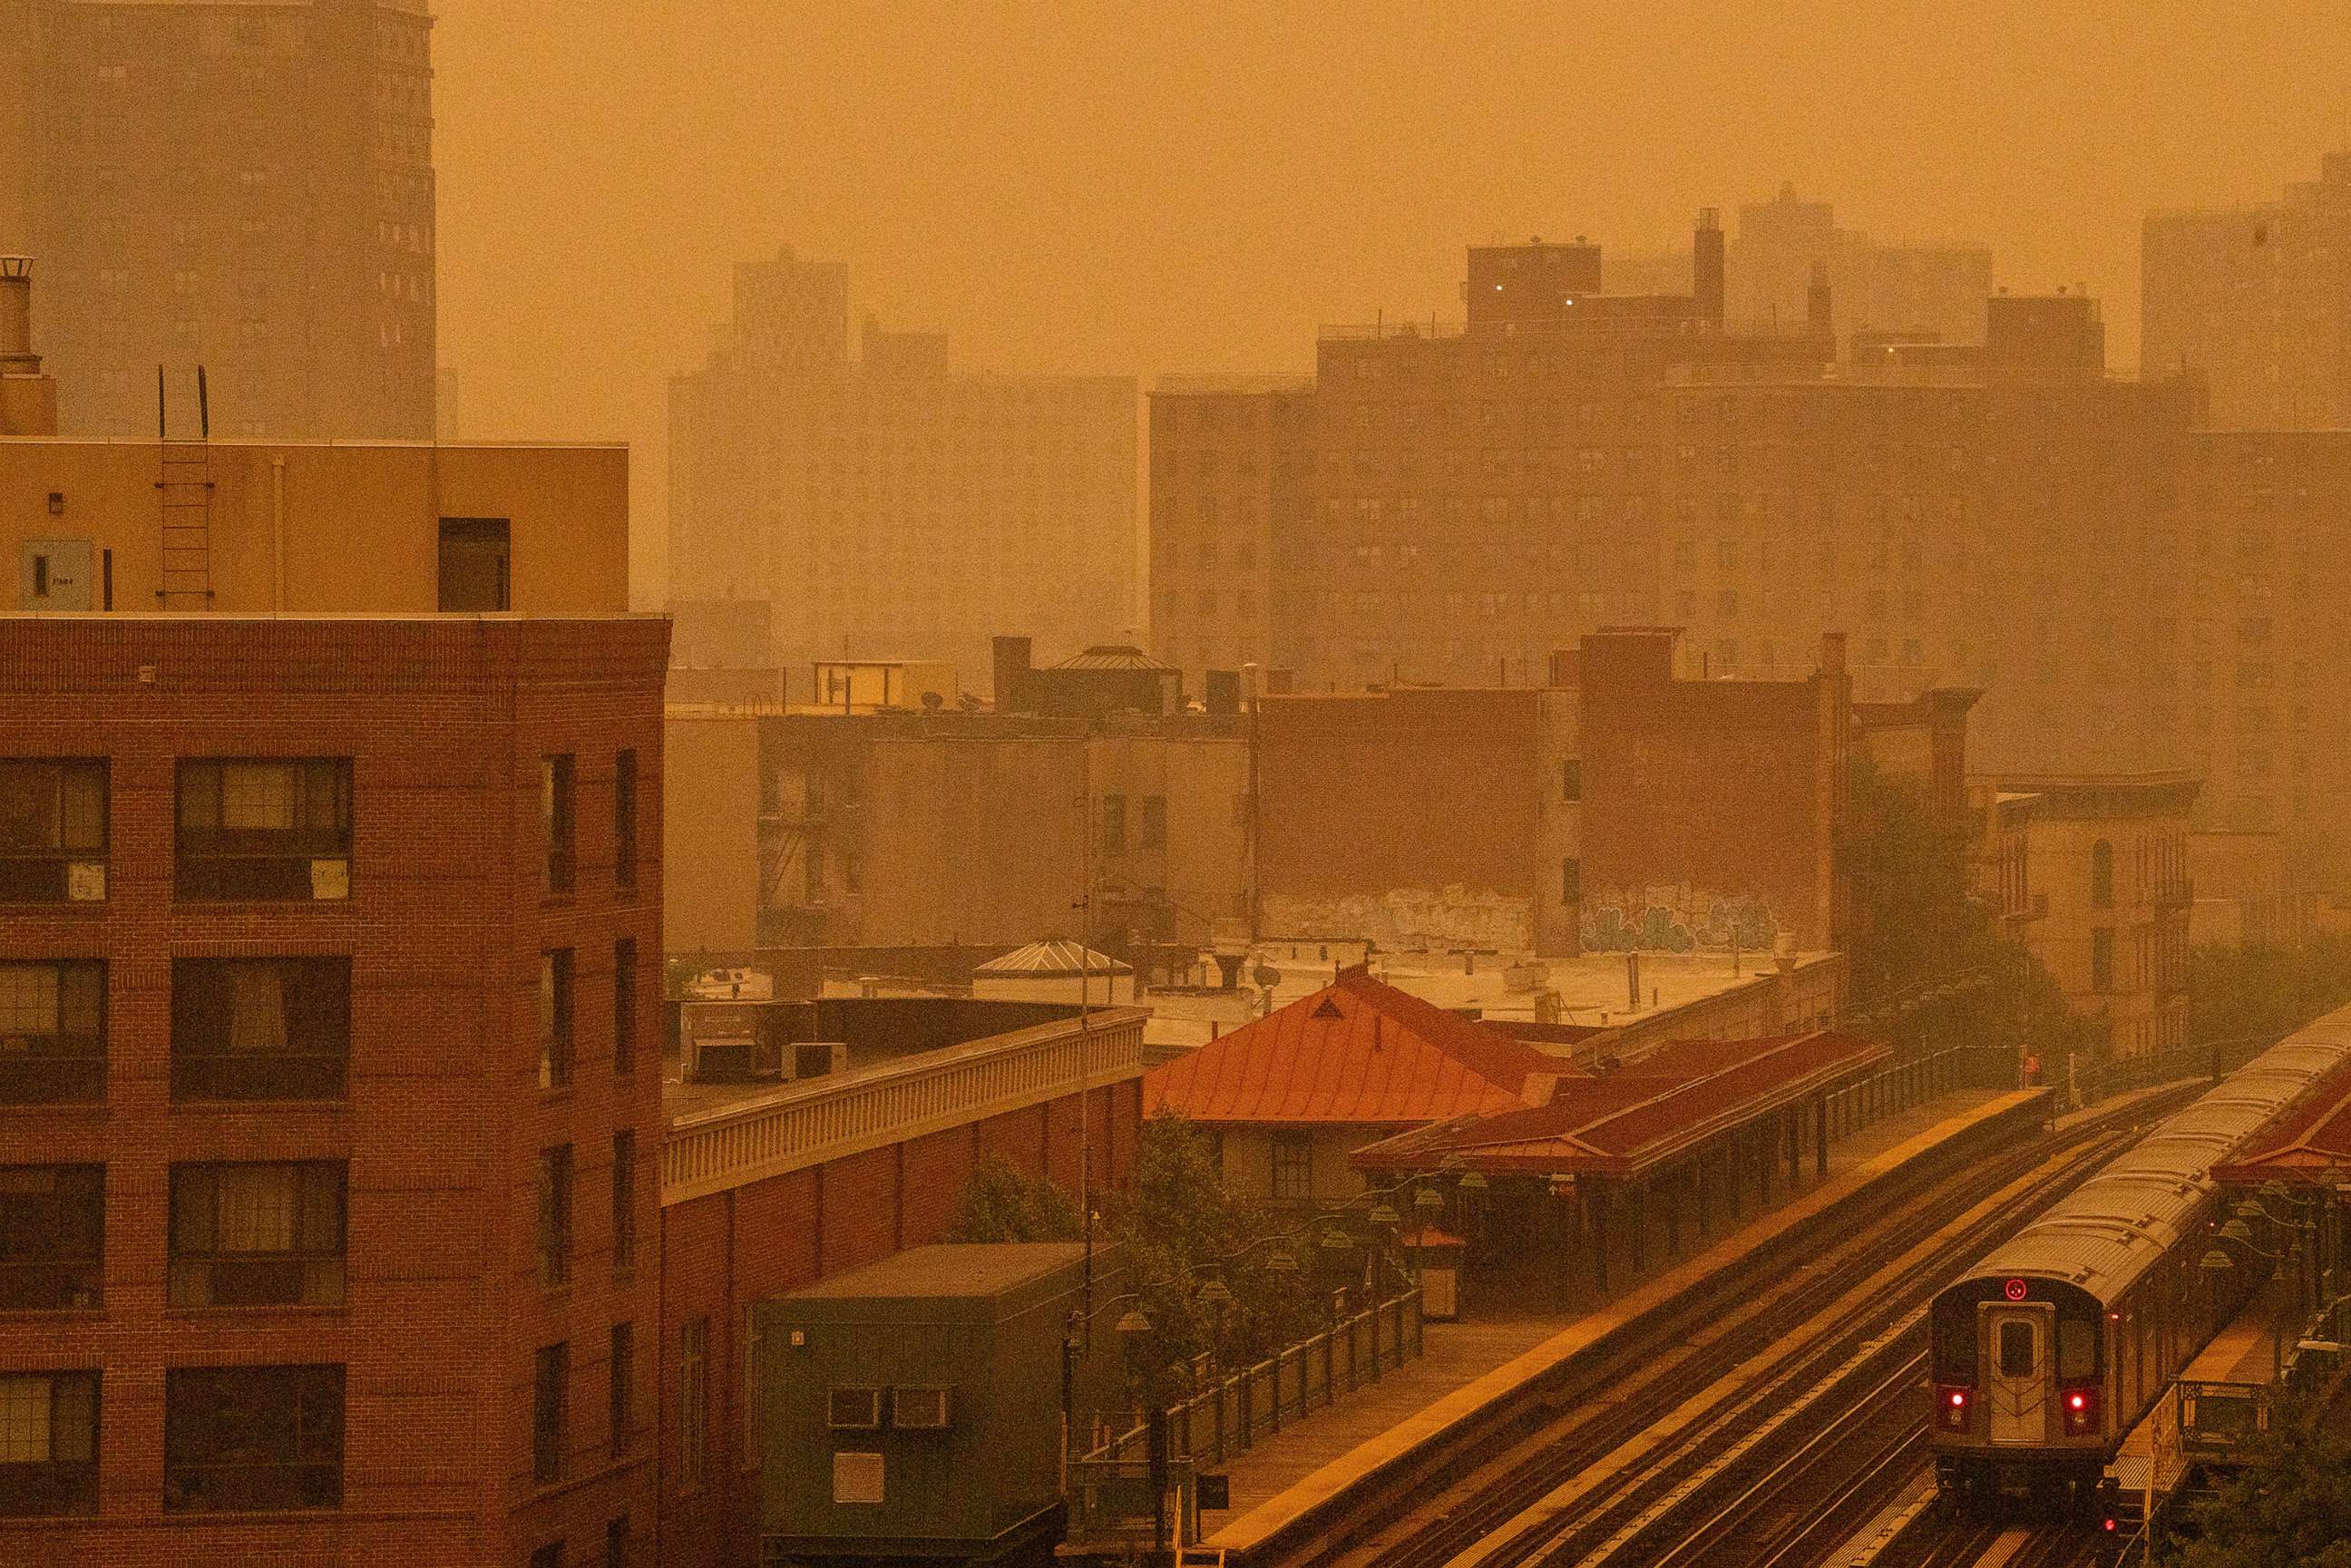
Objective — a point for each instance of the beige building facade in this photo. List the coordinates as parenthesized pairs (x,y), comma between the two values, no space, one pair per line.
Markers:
(311,527)
(892,830)
(2110,855)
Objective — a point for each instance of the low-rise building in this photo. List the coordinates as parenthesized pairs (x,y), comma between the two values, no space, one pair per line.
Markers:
(2245,892)
(2109,853)
(770,1187)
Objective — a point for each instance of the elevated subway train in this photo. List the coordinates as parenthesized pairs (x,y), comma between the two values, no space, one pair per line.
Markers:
(2048,1352)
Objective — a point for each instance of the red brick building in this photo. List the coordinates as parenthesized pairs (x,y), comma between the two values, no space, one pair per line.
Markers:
(329,1100)
(765,1189)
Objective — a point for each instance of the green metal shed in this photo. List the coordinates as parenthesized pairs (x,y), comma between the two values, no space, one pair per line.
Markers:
(914,1406)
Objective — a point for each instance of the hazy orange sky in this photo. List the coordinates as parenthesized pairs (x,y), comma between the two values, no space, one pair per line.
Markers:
(1188,187)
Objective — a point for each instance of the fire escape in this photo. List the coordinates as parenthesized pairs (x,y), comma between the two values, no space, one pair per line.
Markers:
(183,487)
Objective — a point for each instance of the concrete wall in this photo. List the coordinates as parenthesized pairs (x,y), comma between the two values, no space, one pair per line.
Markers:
(360,523)
(710,823)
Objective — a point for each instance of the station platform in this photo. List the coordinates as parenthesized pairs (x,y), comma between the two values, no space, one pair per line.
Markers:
(2220,1395)
(1307,1470)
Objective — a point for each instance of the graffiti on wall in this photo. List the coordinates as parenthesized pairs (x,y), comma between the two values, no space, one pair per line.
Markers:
(1677,919)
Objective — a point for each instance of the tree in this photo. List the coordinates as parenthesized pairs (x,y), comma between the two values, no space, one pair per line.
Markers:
(1179,1228)
(2240,993)
(1001,1202)
(2290,1508)
(1924,954)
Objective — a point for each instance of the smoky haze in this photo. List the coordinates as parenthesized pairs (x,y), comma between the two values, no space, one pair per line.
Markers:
(1142,189)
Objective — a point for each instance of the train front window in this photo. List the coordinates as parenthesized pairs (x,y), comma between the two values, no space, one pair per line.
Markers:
(2077,1348)
(2018,1349)
(1955,1347)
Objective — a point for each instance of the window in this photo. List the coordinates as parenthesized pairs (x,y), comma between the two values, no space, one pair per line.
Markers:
(555,1214)
(624,1005)
(1114,824)
(555,821)
(246,1439)
(616,1543)
(477,565)
(260,1029)
(2102,875)
(1293,1166)
(52,1237)
(623,1370)
(1571,780)
(1570,881)
(624,1193)
(2077,1348)
(48,1443)
(1153,832)
(52,831)
(551,1374)
(2019,1350)
(624,818)
(555,1018)
(265,829)
(692,1401)
(52,1031)
(2102,959)
(258,1235)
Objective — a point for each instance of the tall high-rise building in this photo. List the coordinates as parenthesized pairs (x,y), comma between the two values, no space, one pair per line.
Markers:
(2258,300)
(245,188)
(893,507)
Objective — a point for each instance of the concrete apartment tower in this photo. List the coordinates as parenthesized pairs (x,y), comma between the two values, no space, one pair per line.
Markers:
(247,188)
(2258,300)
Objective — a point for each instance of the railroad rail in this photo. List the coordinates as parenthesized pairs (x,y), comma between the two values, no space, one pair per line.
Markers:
(1619,1462)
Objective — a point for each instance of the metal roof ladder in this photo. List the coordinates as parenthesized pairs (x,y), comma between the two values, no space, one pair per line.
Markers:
(184,488)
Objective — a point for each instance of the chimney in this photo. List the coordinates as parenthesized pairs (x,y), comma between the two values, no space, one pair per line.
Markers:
(1816,301)
(1562,667)
(1706,265)
(29,399)
(1833,654)
(16,356)
(1012,664)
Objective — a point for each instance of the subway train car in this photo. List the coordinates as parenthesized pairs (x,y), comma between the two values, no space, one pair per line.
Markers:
(2049,1351)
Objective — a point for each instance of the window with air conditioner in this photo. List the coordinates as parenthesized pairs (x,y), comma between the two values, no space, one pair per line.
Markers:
(53,831)
(272,830)
(853,1409)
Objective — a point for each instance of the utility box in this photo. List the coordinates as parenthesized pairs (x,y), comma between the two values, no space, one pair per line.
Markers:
(913,1407)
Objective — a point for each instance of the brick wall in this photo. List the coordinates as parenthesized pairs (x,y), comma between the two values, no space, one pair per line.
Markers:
(725,1251)
(445,723)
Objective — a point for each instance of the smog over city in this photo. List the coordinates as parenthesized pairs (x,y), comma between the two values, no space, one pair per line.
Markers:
(1214,786)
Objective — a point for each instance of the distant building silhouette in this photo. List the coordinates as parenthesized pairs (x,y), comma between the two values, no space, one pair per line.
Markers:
(900,510)
(2258,300)
(244,187)
(2133,590)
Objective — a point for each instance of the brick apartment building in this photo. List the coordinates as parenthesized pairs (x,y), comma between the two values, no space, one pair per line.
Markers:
(329,957)
(2129,589)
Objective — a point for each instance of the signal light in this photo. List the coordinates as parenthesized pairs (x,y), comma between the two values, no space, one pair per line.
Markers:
(2109,1525)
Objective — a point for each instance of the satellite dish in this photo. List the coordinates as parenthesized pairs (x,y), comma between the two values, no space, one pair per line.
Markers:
(932,701)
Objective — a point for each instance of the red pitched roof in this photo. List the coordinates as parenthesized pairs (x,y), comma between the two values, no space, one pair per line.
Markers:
(1356,1052)
(1627,1122)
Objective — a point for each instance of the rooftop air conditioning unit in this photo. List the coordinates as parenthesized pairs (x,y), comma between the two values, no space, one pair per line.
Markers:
(853,1409)
(918,1409)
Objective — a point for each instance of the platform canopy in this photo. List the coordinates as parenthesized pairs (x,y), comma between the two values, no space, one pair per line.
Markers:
(1625,1123)
(2310,1145)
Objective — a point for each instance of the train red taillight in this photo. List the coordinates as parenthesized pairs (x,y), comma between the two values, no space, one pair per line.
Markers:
(1951,1407)
(2080,1407)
